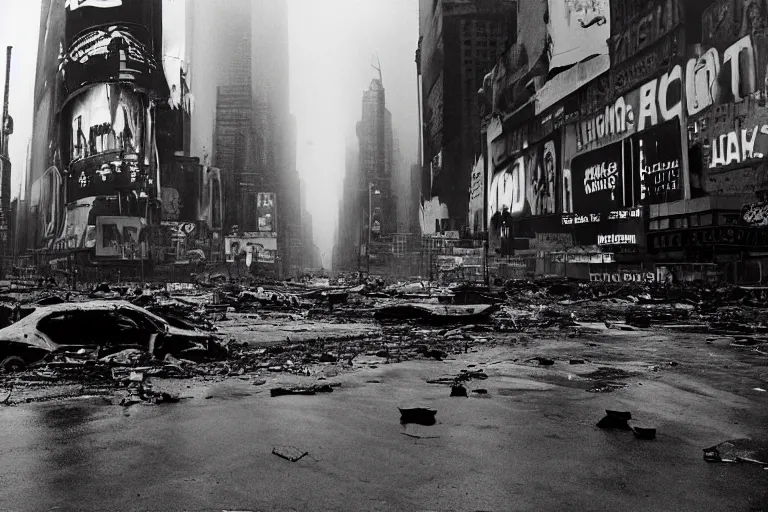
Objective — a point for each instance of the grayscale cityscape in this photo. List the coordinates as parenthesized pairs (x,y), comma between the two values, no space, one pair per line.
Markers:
(384,255)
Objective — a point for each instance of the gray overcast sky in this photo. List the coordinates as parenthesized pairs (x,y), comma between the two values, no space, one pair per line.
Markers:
(331,49)
(332,46)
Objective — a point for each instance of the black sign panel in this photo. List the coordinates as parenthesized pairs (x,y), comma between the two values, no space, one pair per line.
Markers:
(658,163)
(736,237)
(598,180)
(83,16)
(113,41)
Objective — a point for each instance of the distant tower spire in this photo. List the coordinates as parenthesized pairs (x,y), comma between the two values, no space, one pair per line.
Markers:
(377,67)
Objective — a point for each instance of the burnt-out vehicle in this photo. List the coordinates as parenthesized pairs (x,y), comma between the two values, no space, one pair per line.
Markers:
(105,326)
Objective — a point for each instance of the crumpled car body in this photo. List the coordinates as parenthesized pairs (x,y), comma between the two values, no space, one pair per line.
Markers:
(109,325)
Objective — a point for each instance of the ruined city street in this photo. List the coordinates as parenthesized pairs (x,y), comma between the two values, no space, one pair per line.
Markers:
(538,381)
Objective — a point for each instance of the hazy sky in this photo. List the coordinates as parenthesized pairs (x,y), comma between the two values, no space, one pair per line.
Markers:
(332,45)
(19,26)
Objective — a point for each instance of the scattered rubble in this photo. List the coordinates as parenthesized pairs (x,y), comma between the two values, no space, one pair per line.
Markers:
(417,415)
(417,319)
(739,450)
(615,420)
(299,390)
(290,453)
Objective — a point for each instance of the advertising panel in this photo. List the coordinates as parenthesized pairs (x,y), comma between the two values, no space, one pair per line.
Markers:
(107,118)
(238,248)
(119,237)
(659,162)
(577,29)
(726,90)
(266,211)
(529,185)
(598,180)
(476,196)
(111,41)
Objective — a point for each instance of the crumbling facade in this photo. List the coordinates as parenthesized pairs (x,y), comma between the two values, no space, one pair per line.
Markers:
(459,43)
(160,130)
(638,159)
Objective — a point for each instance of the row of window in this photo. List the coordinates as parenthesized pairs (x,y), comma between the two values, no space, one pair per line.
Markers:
(695,220)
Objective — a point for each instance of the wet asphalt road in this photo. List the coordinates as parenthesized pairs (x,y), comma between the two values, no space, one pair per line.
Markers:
(531,444)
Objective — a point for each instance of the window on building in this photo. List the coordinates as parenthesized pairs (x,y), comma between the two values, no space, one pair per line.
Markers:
(706,219)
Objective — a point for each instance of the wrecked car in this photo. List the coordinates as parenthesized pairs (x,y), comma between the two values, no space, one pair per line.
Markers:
(107,326)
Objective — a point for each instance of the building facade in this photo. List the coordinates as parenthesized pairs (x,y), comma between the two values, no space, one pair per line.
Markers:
(459,43)
(633,161)
(162,133)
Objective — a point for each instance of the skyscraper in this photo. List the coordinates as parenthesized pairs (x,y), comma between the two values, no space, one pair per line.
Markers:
(460,42)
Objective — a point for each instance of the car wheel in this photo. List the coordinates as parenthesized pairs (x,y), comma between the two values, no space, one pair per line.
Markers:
(12,364)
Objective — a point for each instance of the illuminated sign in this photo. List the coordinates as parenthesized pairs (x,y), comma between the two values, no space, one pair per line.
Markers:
(624,277)
(598,180)
(616,239)
(659,163)
(106,118)
(594,218)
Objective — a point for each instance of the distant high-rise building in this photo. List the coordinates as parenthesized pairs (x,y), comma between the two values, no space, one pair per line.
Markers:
(374,132)
(460,42)
(346,252)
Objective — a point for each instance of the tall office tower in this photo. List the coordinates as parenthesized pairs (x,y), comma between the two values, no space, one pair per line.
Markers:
(460,42)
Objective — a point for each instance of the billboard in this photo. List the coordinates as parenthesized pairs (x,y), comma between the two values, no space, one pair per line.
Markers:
(119,237)
(658,163)
(112,41)
(476,196)
(77,232)
(529,185)
(106,118)
(598,180)
(577,29)
(266,211)
(238,248)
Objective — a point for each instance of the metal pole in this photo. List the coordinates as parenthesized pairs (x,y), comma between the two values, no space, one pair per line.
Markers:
(370,228)
(6,94)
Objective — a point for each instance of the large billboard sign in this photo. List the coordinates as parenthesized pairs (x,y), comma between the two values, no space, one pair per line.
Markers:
(106,118)
(262,249)
(643,169)
(111,41)
(659,163)
(267,211)
(577,29)
(530,184)
(598,180)
(120,237)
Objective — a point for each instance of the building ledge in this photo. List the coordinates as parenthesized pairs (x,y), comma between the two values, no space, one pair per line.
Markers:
(698,205)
